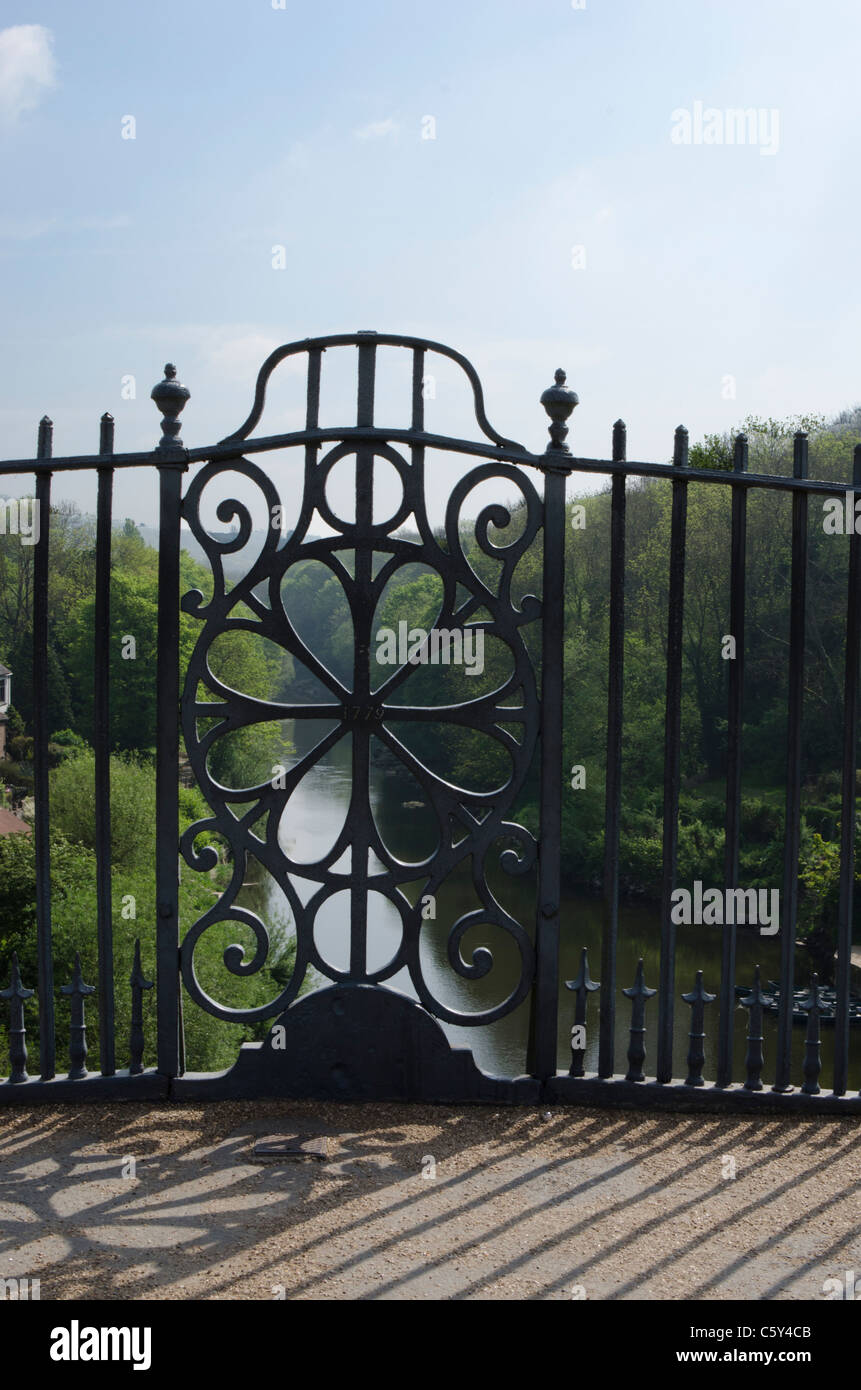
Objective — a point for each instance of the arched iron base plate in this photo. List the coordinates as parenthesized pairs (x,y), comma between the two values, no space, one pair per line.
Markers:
(357,1043)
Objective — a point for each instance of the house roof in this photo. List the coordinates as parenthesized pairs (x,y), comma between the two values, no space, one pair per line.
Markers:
(4,670)
(11,825)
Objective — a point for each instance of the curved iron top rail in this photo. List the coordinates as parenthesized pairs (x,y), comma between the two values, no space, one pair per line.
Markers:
(370,337)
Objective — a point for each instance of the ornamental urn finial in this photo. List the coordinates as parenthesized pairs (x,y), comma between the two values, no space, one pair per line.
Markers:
(170,396)
(559,401)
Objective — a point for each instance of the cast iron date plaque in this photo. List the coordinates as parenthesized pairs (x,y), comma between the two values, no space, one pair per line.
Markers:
(362,714)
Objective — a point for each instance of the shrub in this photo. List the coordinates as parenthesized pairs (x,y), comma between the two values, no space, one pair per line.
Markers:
(211,1044)
(72,790)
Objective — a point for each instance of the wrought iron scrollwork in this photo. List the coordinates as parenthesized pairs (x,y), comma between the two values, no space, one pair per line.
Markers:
(470,823)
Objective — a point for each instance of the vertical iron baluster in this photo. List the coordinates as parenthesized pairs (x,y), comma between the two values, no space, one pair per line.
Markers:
(698,998)
(638,993)
(672,758)
(734,751)
(77,992)
(170,397)
(847,813)
(312,422)
(792,828)
(558,401)
(812,1057)
(16,994)
(418,389)
(755,1059)
(367,374)
(101,745)
(312,401)
(583,986)
(136,1036)
(613,784)
(363,609)
(41,733)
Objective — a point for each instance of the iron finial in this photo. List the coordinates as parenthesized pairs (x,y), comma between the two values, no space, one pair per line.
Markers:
(559,401)
(681,440)
(76,993)
(16,994)
(106,433)
(755,1058)
(812,1060)
(697,998)
(170,397)
(583,986)
(136,1037)
(638,993)
(45,438)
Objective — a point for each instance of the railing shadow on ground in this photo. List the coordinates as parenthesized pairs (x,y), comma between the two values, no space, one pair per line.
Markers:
(579,1200)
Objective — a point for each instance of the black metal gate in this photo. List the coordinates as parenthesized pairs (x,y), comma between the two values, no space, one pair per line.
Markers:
(357,1037)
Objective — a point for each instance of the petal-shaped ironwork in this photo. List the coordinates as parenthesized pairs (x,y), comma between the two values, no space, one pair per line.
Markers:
(365,556)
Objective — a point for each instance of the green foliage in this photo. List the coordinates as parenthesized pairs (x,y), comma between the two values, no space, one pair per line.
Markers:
(769,444)
(134,613)
(715,451)
(245,757)
(132,807)
(14,723)
(211,1044)
(66,744)
(13,773)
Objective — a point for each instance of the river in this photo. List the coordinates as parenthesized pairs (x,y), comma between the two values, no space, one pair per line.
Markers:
(315,817)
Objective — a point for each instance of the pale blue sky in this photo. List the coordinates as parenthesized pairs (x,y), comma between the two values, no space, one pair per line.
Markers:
(302,127)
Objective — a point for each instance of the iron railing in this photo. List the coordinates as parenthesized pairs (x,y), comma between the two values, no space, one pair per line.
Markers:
(332,1028)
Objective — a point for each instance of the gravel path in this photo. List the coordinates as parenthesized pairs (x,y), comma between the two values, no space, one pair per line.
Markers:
(580,1203)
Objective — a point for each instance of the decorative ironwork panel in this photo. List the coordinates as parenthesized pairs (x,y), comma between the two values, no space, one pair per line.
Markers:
(356,1038)
(364,554)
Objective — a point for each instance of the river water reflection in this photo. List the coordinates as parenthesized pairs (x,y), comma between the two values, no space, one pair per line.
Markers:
(315,816)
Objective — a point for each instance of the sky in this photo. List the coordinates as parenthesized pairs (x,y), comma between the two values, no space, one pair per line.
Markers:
(510,178)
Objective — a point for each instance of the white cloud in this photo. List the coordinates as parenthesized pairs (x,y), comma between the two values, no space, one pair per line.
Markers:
(375,130)
(27,69)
